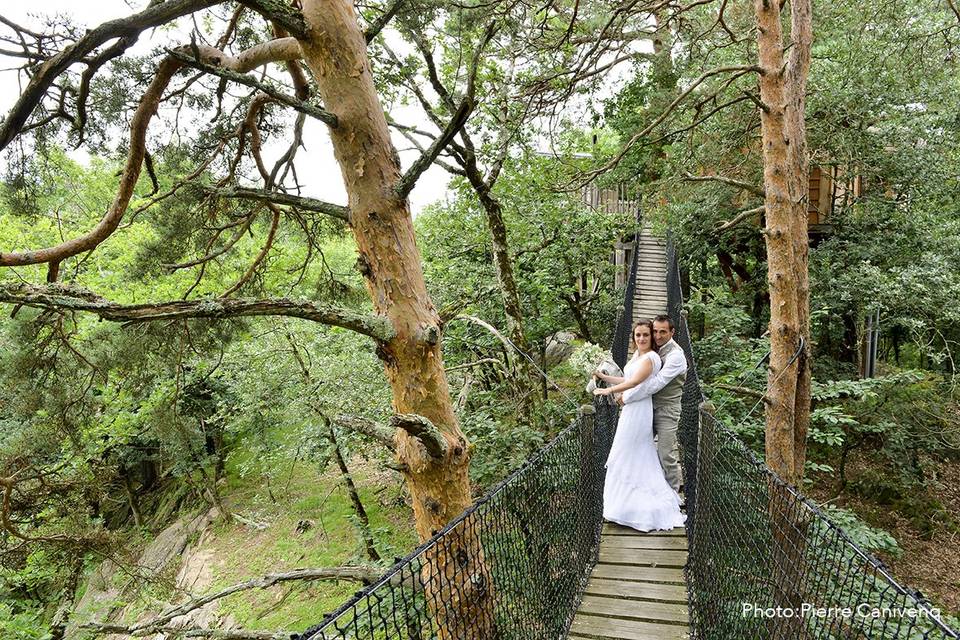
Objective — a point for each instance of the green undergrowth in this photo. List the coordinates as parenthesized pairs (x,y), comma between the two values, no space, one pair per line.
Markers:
(310,523)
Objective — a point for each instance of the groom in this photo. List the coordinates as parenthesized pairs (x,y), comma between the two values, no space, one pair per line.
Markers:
(667,390)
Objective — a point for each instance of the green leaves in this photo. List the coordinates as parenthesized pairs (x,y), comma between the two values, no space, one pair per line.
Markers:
(872,539)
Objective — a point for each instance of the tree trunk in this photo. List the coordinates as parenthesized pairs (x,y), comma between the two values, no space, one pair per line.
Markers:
(358,508)
(503,266)
(131,498)
(785,169)
(336,53)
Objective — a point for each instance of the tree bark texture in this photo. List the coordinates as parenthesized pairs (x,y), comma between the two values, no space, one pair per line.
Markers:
(785,171)
(785,168)
(335,51)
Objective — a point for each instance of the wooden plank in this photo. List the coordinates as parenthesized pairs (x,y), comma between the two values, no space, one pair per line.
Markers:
(645,557)
(670,613)
(597,627)
(637,590)
(618,529)
(639,574)
(671,543)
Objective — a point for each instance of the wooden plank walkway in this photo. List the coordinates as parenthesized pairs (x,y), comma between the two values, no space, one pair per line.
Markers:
(636,591)
(650,294)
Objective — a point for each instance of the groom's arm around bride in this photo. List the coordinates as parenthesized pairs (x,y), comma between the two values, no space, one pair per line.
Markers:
(666,387)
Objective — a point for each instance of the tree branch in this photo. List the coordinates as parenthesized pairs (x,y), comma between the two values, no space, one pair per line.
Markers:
(733,182)
(63,298)
(357,573)
(744,391)
(423,430)
(234,69)
(130,27)
(409,179)
(267,244)
(276,197)
(737,70)
(740,217)
(367,427)
(147,107)
(377,25)
(210,255)
(283,13)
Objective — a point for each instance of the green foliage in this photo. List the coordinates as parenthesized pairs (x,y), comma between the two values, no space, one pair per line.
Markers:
(863,535)
(553,240)
(24,625)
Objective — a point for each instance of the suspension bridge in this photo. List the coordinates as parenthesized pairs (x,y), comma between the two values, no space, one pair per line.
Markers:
(552,569)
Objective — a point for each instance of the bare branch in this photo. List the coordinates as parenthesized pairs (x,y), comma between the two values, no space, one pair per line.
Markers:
(423,430)
(93,66)
(300,202)
(130,27)
(199,632)
(283,13)
(733,182)
(356,573)
(219,252)
(737,70)
(367,427)
(274,223)
(507,345)
(409,179)
(744,391)
(63,298)
(740,217)
(377,25)
(234,69)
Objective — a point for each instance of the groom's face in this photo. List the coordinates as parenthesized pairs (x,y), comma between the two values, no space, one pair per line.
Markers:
(662,332)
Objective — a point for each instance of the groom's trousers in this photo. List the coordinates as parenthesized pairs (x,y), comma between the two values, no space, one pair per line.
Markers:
(665,421)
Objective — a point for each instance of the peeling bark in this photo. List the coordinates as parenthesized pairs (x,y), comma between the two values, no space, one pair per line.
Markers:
(391,265)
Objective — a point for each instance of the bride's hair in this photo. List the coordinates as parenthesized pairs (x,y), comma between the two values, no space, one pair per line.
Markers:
(649,325)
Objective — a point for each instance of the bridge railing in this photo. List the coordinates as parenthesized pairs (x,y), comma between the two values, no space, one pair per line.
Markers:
(515,564)
(765,562)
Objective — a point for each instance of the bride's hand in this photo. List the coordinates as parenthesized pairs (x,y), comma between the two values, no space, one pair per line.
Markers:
(601,392)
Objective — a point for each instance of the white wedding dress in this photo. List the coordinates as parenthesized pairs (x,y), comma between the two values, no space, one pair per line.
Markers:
(636,493)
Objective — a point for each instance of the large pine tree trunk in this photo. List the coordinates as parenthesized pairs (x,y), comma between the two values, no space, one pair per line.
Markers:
(336,53)
(785,169)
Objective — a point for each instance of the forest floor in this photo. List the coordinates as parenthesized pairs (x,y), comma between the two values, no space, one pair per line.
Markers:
(302,519)
(310,524)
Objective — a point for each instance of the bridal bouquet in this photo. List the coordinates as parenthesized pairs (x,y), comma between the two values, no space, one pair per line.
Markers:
(589,358)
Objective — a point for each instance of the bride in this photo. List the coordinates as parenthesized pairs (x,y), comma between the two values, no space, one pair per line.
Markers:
(636,493)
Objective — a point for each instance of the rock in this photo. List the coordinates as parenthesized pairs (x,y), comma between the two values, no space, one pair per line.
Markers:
(304,525)
(559,347)
(104,593)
